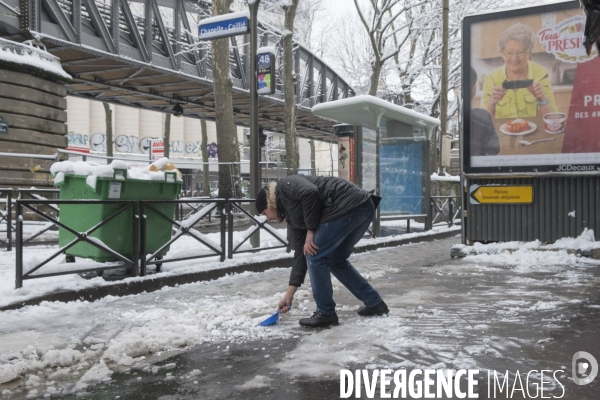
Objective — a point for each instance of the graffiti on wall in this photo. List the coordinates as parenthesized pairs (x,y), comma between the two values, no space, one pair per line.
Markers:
(77,139)
(213,150)
(127,144)
(131,144)
(98,142)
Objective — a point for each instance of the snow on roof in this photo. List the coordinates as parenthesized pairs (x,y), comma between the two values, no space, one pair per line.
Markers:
(369,110)
(446,177)
(266,49)
(225,17)
(25,54)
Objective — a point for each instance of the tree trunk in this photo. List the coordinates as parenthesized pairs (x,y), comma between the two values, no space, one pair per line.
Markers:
(289,118)
(226,132)
(167,136)
(331,155)
(375,71)
(313,164)
(205,171)
(109,131)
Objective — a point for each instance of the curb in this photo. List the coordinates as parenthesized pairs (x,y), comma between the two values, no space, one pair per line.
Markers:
(157,283)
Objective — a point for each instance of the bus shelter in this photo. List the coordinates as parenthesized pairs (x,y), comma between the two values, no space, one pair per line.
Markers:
(385,148)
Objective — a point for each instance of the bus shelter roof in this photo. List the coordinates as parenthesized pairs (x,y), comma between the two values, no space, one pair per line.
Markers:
(370,110)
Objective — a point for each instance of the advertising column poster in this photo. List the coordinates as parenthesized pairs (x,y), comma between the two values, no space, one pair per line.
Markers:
(345,134)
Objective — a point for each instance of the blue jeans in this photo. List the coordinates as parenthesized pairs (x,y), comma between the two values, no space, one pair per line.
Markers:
(336,240)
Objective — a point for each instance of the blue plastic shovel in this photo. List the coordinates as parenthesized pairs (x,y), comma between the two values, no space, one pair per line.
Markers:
(272,319)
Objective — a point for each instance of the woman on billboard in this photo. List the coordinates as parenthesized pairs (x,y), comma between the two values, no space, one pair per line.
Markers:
(521,87)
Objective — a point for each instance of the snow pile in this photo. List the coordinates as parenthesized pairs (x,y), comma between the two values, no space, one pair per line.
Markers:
(8,373)
(98,373)
(154,171)
(62,358)
(19,53)
(585,242)
(445,177)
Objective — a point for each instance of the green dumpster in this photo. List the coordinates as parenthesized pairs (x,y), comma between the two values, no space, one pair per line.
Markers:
(117,233)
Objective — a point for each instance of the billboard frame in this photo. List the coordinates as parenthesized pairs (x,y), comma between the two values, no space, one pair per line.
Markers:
(467,61)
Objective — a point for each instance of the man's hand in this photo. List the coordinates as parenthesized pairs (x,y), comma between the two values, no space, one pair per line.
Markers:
(309,245)
(286,301)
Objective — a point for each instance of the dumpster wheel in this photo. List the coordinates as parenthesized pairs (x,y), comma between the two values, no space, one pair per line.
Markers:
(158,265)
(69,258)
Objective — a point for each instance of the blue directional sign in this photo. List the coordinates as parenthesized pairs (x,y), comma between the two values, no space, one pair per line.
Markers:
(224,26)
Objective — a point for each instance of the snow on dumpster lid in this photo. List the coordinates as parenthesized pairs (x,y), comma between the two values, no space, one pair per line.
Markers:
(154,171)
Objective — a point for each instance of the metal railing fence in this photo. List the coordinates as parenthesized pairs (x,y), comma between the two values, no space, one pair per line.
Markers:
(85,236)
(445,209)
(181,228)
(236,204)
(6,217)
(141,259)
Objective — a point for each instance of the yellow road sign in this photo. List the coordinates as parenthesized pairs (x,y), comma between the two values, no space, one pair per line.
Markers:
(501,194)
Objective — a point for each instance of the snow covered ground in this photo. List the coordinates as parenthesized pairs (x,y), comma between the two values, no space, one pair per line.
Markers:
(476,312)
(184,247)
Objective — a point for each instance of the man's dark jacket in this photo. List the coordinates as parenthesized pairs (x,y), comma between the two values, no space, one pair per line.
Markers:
(307,201)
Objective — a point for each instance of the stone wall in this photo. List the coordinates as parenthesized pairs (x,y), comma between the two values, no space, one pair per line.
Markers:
(34,109)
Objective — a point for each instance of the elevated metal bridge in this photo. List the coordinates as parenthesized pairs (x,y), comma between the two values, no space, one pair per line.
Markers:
(144,53)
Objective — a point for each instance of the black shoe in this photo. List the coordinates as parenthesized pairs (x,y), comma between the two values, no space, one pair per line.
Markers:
(379,309)
(318,320)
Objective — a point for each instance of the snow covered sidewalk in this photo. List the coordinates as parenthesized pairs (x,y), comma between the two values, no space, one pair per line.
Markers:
(184,247)
(504,312)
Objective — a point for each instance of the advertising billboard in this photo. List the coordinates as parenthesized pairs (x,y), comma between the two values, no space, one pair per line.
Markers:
(532,94)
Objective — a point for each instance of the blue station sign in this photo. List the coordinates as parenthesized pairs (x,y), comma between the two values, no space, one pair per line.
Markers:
(221,26)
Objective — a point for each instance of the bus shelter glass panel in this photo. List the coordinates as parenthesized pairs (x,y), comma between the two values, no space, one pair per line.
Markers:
(369,158)
(403,168)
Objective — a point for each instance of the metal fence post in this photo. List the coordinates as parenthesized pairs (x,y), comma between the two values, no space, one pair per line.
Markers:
(222,234)
(229,230)
(142,256)
(450,211)
(9,221)
(136,240)
(19,255)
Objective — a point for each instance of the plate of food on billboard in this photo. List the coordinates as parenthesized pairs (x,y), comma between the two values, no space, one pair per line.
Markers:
(530,80)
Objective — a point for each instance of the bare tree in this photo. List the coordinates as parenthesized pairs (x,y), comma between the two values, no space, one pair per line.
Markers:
(226,131)
(289,118)
(378,20)
(109,130)
(167,135)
